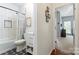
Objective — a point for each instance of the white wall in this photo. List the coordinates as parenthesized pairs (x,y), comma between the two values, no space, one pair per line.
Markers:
(44,31)
(66,10)
(30,13)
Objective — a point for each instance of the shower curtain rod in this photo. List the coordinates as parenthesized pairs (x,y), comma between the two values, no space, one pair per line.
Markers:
(12,10)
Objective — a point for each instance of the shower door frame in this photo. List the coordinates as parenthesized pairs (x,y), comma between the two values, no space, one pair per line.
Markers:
(17,12)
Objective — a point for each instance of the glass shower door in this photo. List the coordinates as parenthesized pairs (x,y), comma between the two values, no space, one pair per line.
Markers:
(8,29)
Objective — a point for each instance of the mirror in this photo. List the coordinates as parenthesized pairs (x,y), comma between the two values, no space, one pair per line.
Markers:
(65,27)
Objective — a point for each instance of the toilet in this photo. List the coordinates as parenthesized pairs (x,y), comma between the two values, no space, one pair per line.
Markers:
(20,44)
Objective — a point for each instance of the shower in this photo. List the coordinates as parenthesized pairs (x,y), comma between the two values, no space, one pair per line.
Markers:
(12,26)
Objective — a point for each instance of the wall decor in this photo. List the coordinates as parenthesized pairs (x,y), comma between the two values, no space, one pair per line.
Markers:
(28,21)
(47,14)
(7,23)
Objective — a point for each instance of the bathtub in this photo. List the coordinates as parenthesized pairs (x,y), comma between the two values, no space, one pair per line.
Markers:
(6,45)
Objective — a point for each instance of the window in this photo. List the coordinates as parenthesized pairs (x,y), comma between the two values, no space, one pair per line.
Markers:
(67,24)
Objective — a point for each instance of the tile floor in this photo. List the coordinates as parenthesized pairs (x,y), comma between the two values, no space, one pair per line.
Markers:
(13,52)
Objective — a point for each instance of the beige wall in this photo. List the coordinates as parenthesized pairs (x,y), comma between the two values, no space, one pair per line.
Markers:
(77,28)
(44,37)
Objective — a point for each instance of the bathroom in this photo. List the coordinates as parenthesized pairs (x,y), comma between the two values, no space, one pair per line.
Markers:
(13,25)
(34,28)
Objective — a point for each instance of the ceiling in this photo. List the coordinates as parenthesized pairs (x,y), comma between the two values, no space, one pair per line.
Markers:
(19,4)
